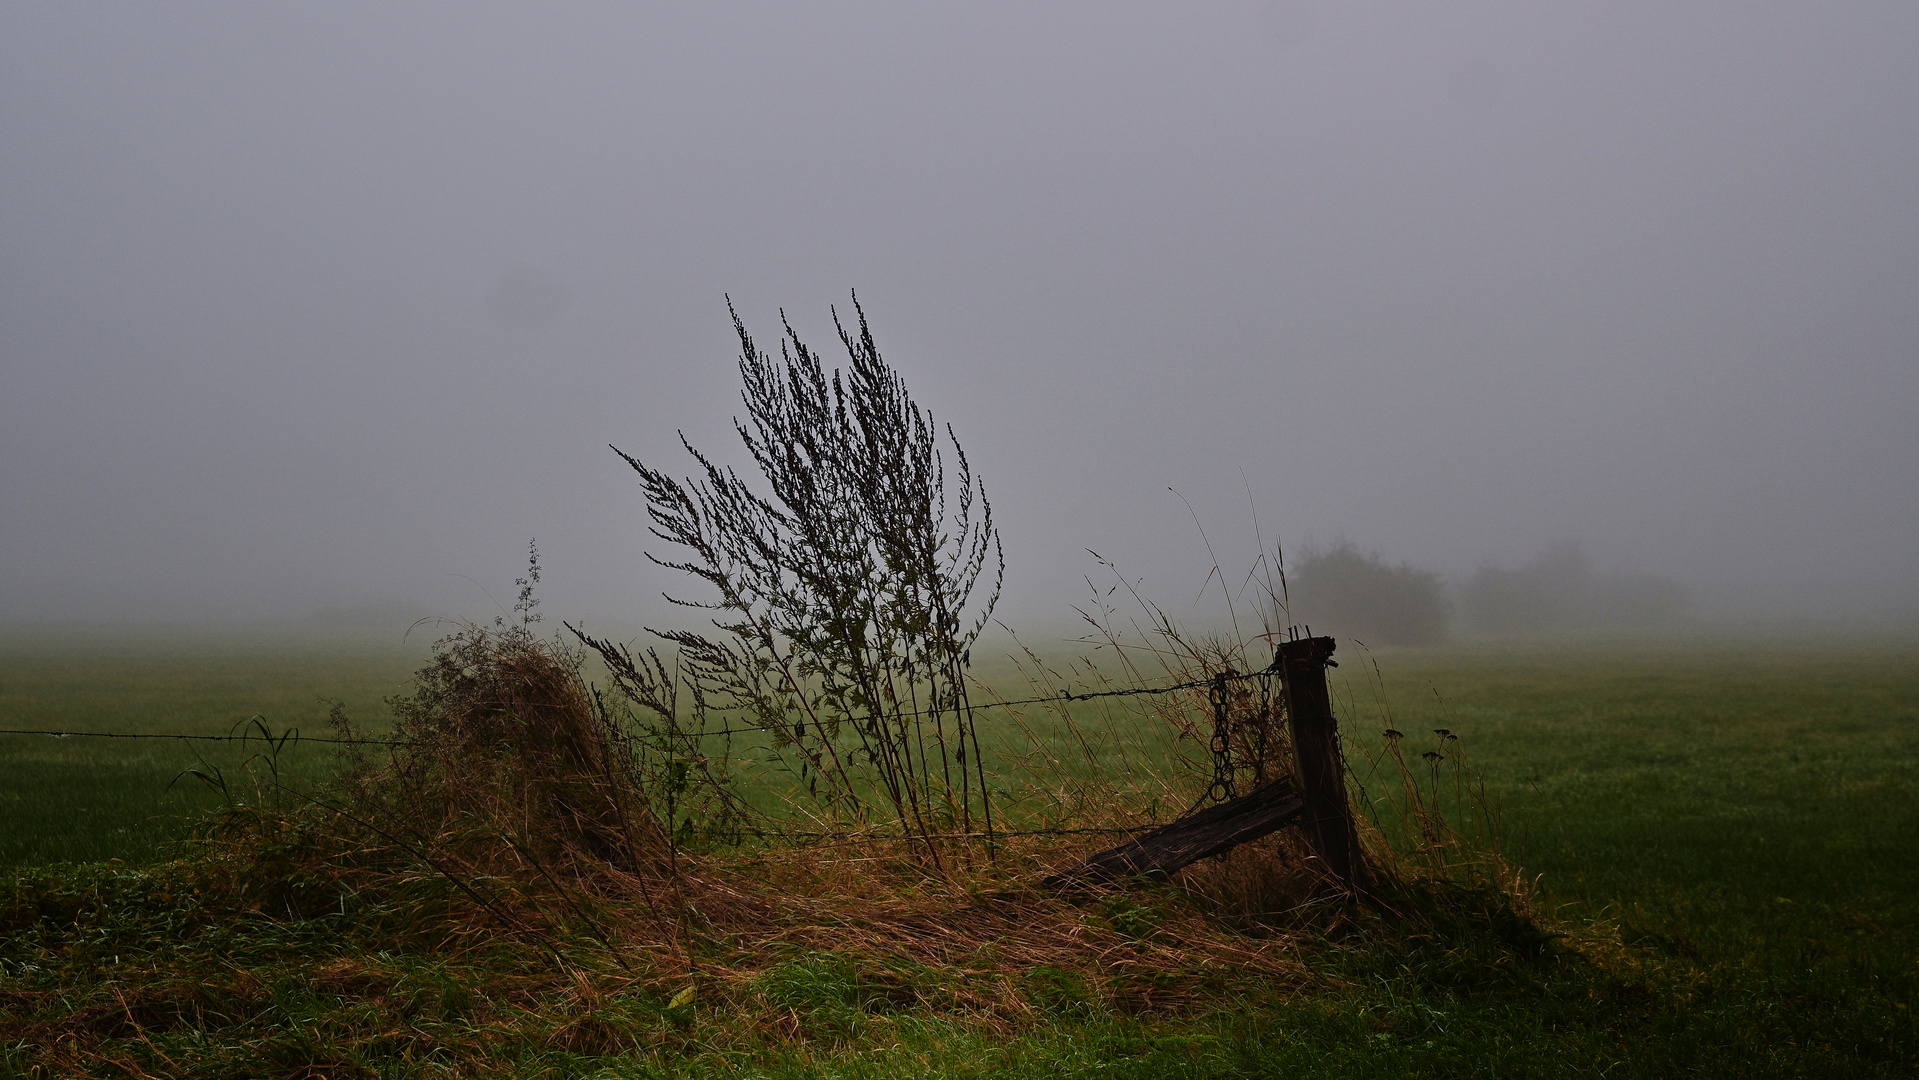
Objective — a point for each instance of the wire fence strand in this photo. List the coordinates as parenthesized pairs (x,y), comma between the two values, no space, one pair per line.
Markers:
(294,737)
(1064,696)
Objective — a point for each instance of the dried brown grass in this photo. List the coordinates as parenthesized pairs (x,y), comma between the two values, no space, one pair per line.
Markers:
(514,805)
(503,732)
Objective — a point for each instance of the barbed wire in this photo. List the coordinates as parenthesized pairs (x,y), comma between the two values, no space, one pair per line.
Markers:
(296,737)
(1215,683)
(1063,696)
(758,834)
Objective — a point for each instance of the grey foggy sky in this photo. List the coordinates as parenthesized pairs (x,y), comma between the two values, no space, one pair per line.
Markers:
(319,305)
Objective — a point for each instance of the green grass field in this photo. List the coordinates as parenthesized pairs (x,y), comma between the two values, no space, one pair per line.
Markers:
(1743,805)
(83,799)
(1731,818)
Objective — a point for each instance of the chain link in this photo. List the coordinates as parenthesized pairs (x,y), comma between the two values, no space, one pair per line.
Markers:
(1222,787)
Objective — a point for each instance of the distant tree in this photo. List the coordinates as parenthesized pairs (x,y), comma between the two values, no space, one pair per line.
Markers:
(1357,594)
(1638,600)
(1552,591)
(1559,590)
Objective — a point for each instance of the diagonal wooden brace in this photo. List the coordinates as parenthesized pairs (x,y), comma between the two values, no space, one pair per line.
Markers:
(1179,844)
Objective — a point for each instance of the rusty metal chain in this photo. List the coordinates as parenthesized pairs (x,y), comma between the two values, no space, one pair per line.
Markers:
(1222,787)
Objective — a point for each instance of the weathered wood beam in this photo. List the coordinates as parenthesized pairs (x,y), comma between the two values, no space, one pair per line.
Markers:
(1179,844)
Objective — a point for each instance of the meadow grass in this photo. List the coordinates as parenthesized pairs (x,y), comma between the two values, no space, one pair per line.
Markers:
(84,799)
(1714,773)
(1745,803)
(1722,825)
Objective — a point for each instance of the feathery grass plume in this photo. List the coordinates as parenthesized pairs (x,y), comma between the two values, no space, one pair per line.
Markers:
(847,591)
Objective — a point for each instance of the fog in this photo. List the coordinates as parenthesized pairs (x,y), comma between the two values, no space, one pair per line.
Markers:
(312,307)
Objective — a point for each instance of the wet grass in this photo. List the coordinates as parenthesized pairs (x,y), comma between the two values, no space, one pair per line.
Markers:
(1724,826)
(1742,810)
(83,799)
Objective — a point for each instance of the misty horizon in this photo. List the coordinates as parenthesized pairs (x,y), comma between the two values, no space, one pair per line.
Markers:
(333,308)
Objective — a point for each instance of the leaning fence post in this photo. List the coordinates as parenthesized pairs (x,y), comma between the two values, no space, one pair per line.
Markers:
(1320,769)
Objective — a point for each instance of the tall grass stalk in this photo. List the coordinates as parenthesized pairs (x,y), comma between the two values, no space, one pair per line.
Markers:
(847,587)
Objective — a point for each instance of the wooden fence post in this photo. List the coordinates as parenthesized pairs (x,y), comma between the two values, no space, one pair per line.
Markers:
(1321,775)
